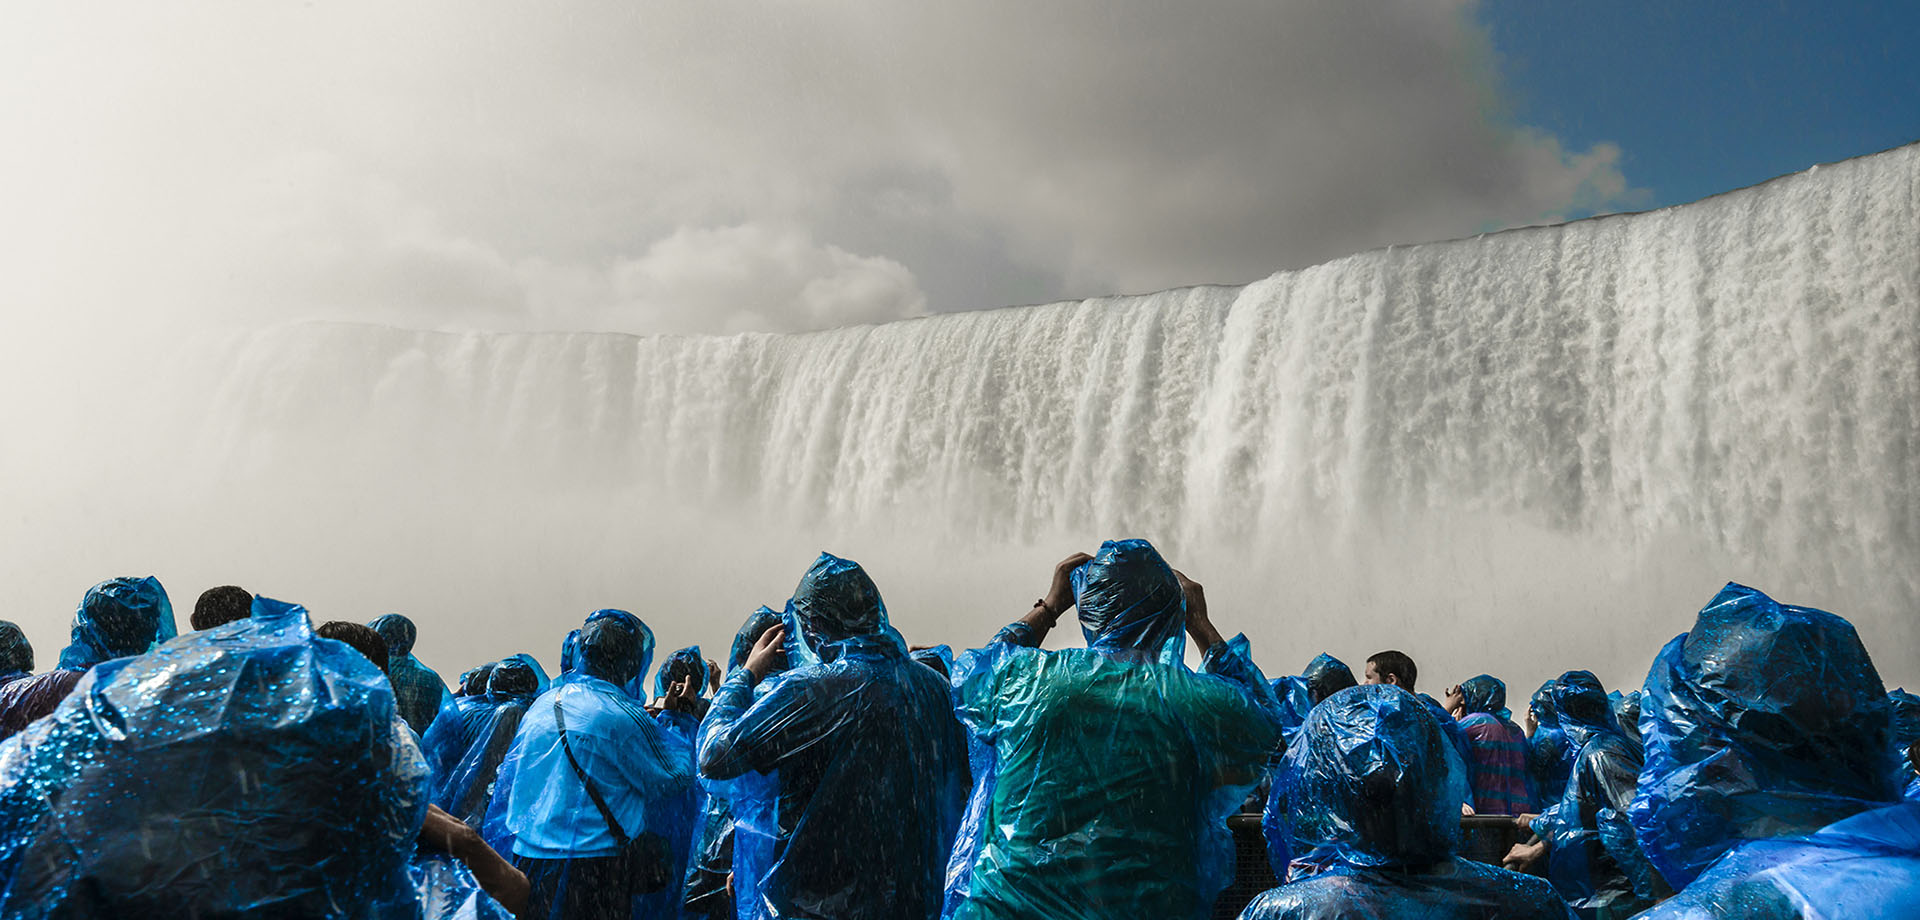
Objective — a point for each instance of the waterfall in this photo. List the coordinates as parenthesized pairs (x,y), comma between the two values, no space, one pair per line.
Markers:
(1518,453)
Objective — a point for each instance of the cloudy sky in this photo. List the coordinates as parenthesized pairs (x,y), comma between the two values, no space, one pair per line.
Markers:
(719,167)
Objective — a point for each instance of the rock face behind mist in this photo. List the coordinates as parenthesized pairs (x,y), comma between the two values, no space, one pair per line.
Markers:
(1590,424)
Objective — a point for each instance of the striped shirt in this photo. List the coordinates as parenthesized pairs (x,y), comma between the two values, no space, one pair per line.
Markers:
(1500,764)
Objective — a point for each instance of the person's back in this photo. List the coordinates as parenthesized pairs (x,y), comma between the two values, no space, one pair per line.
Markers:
(1591,852)
(417,688)
(866,760)
(1095,792)
(1499,748)
(249,771)
(117,618)
(584,778)
(467,743)
(1373,786)
(1770,789)
(1114,766)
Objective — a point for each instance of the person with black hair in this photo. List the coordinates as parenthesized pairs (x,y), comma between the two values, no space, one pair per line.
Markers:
(1396,668)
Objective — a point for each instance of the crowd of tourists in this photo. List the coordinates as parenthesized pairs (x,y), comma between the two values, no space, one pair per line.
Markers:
(259,766)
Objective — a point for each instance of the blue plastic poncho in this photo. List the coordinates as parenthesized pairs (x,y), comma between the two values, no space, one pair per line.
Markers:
(473,682)
(1549,754)
(682,664)
(1593,858)
(714,847)
(418,688)
(245,771)
(1485,693)
(1626,713)
(117,618)
(1374,787)
(466,744)
(1113,767)
(632,759)
(1768,789)
(1497,749)
(939,658)
(1906,732)
(16,653)
(1325,676)
(859,763)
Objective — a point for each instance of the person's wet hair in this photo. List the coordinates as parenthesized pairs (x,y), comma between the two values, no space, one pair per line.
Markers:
(220,606)
(361,638)
(1397,664)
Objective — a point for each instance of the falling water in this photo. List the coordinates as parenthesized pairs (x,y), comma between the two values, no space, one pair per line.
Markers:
(1519,453)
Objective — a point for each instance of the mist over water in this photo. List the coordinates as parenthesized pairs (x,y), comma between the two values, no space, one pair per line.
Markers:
(1522,453)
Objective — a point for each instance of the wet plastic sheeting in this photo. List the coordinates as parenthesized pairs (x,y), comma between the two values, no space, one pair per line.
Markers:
(16,653)
(1906,731)
(1372,793)
(117,618)
(1768,721)
(846,772)
(1593,858)
(1114,766)
(1325,676)
(1549,754)
(245,771)
(545,809)
(468,741)
(712,852)
(1866,867)
(682,664)
(420,691)
(939,658)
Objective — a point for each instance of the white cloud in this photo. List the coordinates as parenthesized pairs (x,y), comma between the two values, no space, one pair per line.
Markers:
(755,277)
(504,165)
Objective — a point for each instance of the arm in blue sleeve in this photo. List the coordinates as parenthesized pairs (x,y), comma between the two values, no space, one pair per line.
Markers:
(1233,660)
(743,733)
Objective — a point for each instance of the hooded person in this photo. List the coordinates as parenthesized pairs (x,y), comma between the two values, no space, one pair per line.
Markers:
(473,683)
(687,668)
(1592,856)
(1768,790)
(16,654)
(714,843)
(863,765)
(1549,755)
(579,797)
(466,745)
(678,688)
(117,618)
(248,771)
(1626,713)
(1326,676)
(420,691)
(1113,767)
(1499,747)
(1374,785)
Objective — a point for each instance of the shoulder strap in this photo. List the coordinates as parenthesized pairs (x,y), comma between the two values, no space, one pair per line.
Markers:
(593,791)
